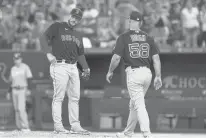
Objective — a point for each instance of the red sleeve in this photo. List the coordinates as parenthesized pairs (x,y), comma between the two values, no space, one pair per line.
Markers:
(81,48)
(51,32)
(154,47)
(119,48)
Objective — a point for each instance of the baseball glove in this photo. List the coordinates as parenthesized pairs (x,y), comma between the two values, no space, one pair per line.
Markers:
(85,74)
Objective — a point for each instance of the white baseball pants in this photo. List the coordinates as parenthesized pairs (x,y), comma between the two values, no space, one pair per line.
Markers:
(138,82)
(65,79)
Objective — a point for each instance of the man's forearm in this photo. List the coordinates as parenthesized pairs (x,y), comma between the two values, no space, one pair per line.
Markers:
(82,61)
(44,44)
(29,81)
(114,63)
(157,68)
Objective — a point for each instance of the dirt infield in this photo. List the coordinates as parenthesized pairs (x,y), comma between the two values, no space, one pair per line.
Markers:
(50,134)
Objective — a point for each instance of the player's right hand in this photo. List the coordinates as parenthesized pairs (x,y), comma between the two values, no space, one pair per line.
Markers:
(8,96)
(157,83)
(51,58)
(109,77)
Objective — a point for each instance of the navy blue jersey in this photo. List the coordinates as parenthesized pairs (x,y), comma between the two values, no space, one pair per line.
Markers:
(65,41)
(136,48)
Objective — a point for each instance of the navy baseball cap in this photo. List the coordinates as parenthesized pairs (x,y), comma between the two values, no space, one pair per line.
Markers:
(136,16)
(77,13)
(17,56)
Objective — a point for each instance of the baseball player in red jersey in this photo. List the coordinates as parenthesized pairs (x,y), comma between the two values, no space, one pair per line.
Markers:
(66,50)
(137,50)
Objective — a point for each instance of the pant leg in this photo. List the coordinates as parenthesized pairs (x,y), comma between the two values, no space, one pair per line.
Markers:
(59,74)
(187,37)
(132,120)
(15,105)
(194,34)
(136,80)
(74,96)
(204,38)
(133,116)
(22,109)
(200,39)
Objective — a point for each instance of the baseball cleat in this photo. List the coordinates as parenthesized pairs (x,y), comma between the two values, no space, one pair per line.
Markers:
(61,131)
(122,135)
(25,130)
(80,131)
(148,137)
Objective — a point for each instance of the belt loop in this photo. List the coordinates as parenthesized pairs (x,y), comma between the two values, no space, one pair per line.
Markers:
(63,60)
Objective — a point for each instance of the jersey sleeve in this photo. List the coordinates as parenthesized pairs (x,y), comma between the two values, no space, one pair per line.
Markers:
(119,48)
(154,47)
(28,72)
(51,31)
(81,48)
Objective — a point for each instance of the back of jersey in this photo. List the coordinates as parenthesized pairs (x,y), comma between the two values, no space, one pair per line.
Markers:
(136,48)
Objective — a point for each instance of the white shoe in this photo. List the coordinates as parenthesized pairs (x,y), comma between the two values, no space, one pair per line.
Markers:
(25,130)
(122,135)
(148,136)
(79,130)
(61,131)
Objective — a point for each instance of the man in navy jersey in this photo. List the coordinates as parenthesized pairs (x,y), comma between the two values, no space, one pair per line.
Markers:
(66,50)
(137,50)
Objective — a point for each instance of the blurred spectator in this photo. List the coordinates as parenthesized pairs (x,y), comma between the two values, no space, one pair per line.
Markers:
(3,42)
(176,36)
(106,35)
(55,10)
(202,40)
(88,26)
(3,29)
(148,18)
(90,12)
(67,6)
(124,9)
(190,24)
(160,31)
(7,23)
(21,34)
(32,9)
(40,25)
(163,19)
(175,13)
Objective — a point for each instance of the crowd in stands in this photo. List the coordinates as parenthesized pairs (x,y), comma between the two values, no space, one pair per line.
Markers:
(173,23)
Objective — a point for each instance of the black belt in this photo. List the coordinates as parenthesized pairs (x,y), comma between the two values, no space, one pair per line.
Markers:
(66,61)
(19,87)
(134,67)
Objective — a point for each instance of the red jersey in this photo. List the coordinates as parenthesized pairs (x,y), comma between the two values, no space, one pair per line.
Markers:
(136,48)
(65,41)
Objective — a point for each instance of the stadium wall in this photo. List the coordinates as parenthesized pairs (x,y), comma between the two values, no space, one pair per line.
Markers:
(183,92)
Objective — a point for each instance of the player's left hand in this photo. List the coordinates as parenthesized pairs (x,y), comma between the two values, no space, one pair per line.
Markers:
(28,92)
(157,83)
(85,74)
(109,77)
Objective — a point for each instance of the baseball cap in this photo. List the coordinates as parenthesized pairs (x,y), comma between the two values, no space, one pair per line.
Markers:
(77,13)
(136,16)
(17,56)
